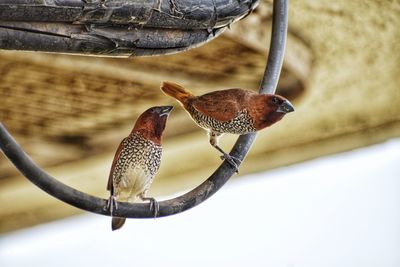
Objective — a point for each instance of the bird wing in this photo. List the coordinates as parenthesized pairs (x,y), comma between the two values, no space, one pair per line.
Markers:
(110,177)
(221,105)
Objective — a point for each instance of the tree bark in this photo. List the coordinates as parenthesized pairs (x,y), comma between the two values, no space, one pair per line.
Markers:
(115,27)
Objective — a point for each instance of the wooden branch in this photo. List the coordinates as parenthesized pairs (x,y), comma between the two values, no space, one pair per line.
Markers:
(115,27)
(173,206)
(172,14)
(99,40)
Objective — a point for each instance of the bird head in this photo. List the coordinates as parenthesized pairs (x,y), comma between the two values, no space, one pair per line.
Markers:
(270,109)
(279,104)
(151,123)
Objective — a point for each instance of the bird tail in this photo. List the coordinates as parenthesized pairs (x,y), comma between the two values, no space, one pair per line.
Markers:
(117,222)
(176,91)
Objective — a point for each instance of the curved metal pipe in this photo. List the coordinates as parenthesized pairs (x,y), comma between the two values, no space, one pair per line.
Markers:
(168,207)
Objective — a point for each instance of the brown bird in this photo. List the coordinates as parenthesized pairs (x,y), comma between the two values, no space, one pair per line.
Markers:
(136,162)
(234,111)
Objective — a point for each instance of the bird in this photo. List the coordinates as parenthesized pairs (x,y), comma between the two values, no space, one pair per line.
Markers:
(137,161)
(234,111)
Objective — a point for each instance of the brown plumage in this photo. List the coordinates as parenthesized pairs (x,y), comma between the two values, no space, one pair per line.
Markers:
(234,111)
(137,160)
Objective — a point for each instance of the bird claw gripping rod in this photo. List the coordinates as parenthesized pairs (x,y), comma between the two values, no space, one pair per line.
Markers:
(172,206)
(119,28)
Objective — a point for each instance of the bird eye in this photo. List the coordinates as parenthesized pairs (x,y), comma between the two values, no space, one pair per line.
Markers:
(275,100)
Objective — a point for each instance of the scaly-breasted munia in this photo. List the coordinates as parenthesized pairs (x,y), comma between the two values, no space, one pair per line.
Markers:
(234,111)
(137,160)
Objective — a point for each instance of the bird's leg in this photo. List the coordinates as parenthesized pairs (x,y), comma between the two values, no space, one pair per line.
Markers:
(153,203)
(231,159)
(111,204)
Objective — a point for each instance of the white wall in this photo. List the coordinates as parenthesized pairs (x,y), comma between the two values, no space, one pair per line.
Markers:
(341,210)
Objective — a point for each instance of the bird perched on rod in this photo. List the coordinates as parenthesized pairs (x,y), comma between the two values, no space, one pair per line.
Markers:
(136,162)
(234,111)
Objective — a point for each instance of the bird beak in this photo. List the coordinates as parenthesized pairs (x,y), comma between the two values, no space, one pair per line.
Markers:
(285,107)
(165,110)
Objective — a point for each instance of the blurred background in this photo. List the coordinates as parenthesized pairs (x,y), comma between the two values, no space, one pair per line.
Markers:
(320,188)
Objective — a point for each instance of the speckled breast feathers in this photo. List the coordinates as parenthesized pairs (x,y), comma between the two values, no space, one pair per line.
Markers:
(134,169)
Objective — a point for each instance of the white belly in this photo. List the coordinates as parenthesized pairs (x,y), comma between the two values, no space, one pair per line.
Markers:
(134,182)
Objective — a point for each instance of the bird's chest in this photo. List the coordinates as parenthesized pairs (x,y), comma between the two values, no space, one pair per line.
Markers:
(139,160)
(240,124)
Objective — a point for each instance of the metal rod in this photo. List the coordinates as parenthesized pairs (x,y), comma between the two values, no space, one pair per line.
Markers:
(168,207)
(277,47)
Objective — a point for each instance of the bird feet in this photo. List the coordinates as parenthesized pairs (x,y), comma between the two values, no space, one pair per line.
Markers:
(232,160)
(153,204)
(112,204)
